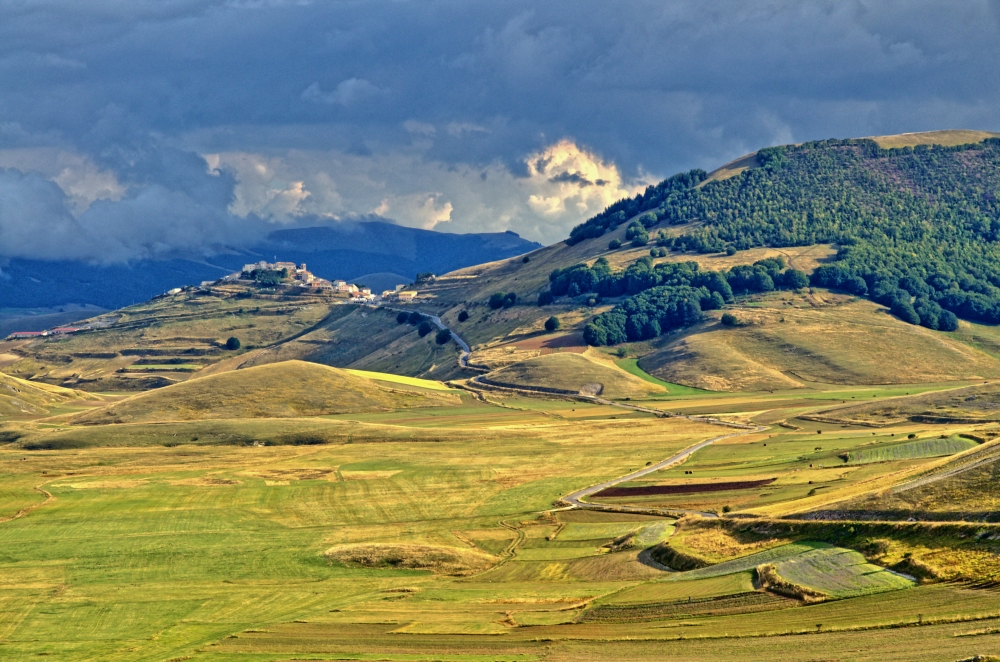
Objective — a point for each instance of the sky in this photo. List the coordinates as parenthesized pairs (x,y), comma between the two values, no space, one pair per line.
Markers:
(133,129)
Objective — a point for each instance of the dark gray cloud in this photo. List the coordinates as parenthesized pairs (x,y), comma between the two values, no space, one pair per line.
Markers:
(430,111)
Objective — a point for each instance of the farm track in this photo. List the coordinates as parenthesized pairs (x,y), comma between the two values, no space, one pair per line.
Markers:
(27,509)
(575,499)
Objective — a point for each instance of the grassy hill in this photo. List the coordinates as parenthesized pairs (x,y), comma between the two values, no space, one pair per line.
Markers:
(573,373)
(19,397)
(793,340)
(962,489)
(278,390)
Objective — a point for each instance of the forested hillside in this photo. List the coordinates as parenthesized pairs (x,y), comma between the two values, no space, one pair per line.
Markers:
(917,227)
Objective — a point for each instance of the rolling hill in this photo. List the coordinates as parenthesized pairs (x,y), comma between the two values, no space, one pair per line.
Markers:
(20,397)
(280,390)
(573,374)
(844,492)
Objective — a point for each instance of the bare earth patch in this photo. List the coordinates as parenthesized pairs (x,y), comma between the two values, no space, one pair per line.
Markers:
(439,560)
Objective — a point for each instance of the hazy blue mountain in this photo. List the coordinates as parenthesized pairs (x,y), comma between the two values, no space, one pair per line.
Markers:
(346,251)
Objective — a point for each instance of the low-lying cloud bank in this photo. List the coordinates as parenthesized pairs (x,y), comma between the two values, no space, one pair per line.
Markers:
(165,202)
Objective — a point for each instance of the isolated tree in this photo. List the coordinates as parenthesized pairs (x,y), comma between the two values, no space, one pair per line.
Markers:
(728,319)
(414,318)
(443,336)
(552,323)
(233,344)
(545,298)
(730,250)
(510,299)
(464,315)
(402,317)
(614,244)
(424,328)
(496,300)
(948,321)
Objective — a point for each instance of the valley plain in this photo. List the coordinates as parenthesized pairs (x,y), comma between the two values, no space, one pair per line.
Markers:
(436,531)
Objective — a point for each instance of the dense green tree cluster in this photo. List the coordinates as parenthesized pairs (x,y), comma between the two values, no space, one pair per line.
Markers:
(762,276)
(660,291)
(650,202)
(647,315)
(268,277)
(917,227)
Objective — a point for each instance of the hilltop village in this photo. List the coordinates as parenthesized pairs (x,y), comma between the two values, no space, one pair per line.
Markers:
(289,274)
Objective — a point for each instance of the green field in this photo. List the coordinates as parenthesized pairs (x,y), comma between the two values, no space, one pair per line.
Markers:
(839,573)
(631,366)
(912,450)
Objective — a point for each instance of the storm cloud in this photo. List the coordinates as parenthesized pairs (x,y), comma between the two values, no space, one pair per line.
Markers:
(146,129)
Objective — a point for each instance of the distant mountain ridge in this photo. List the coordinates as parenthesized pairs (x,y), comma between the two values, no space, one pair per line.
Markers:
(347,250)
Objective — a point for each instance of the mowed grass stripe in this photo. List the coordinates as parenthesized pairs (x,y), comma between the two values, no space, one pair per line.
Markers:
(911,450)
(840,573)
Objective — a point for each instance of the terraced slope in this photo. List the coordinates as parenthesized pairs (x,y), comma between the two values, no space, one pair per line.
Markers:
(277,390)
(965,488)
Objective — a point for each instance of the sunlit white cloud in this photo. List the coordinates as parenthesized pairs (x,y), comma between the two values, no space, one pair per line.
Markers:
(564,183)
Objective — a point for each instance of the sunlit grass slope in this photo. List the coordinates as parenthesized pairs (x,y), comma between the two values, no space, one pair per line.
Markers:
(21,397)
(574,372)
(400,379)
(789,340)
(277,390)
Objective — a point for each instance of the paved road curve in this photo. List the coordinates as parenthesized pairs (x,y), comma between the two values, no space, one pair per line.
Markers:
(463,359)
